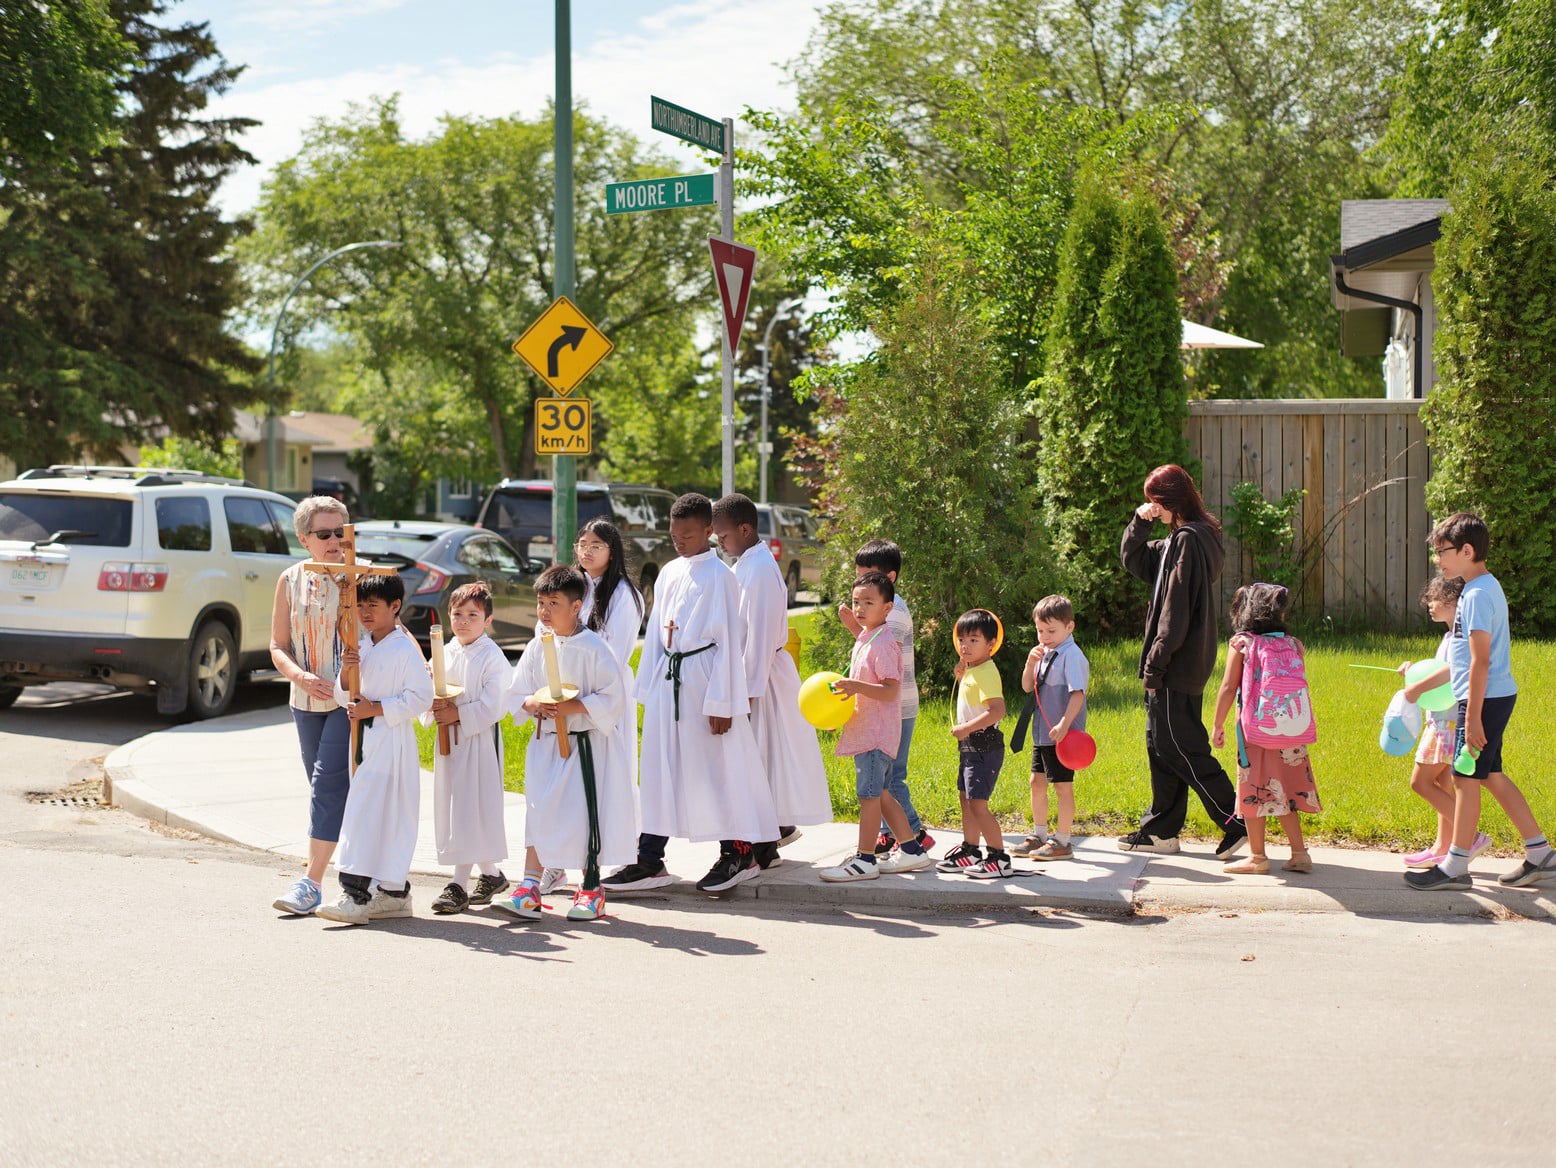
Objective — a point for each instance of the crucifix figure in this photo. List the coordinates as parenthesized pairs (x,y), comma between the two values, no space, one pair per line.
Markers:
(350,568)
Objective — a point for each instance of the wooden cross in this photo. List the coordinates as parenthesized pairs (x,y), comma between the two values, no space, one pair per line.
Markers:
(670,634)
(350,568)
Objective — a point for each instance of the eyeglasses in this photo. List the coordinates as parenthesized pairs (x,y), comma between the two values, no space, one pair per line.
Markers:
(329,533)
(591,546)
(1437,551)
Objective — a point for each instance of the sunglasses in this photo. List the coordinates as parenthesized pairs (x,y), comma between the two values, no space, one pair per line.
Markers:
(329,533)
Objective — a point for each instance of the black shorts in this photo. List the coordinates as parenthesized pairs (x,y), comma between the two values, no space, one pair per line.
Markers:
(1494,715)
(978,771)
(1045,761)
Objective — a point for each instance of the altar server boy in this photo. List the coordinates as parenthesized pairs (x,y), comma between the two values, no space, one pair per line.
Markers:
(580,809)
(700,775)
(383,810)
(467,812)
(787,743)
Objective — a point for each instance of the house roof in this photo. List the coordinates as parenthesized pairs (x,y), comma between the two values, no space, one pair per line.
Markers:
(1385,246)
(326,433)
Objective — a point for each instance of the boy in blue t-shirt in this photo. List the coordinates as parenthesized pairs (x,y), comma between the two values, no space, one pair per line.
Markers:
(1481,670)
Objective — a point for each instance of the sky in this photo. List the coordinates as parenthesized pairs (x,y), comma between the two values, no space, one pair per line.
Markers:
(309,59)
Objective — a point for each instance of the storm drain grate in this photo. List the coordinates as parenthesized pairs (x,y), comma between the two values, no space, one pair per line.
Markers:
(49,799)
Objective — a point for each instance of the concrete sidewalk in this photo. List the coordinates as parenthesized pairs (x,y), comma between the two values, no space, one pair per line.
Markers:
(240,779)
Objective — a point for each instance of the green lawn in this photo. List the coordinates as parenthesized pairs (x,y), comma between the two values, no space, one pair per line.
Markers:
(1366,793)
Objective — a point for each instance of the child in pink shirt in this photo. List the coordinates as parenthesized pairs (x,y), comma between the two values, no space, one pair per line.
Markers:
(872,735)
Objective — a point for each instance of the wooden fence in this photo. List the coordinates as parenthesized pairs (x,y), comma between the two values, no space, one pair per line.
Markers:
(1363,464)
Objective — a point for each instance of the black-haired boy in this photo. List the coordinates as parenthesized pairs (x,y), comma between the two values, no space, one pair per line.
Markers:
(383,809)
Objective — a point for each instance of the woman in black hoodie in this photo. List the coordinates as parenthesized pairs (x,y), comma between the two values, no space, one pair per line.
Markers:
(1177,659)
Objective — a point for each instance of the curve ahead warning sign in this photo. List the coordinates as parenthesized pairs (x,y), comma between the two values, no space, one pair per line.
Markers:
(563,346)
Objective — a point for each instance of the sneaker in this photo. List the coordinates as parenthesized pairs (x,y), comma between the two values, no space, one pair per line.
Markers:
(552,879)
(1138,841)
(344,911)
(1029,845)
(925,840)
(964,855)
(884,843)
(900,861)
(787,835)
(303,898)
(851,870)
(731,868)
(766,854)
(1425,858)
(487,887)
(996,867)
(637,878)
(587,906)
(1231,843)
(525,903)
(1434,879)
(1528,873)
(384,907)
(1054,850)
(452,899)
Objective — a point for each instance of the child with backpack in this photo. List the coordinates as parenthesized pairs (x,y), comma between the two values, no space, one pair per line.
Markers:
(1266,677)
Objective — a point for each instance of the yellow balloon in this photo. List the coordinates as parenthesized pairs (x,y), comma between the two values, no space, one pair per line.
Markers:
(999,633)
(820,706)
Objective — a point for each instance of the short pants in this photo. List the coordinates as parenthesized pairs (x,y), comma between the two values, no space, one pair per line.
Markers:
(870,772)
(1494,715)
(978,771)
(1045,761)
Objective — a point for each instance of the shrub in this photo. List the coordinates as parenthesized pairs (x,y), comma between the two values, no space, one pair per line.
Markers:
(1264,530)
(1112,402)
(1489,422)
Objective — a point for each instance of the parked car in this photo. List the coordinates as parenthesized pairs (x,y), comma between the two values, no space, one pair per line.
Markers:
(791,532)
(341,491)
(520,510)
(158,581)
(436,558)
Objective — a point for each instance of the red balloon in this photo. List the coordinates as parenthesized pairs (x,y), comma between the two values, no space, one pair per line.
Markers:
(1077,750)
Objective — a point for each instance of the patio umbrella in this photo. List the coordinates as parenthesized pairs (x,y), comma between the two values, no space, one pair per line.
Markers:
(1198,336)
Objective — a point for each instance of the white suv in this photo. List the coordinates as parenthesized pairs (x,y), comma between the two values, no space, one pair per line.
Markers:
(160,581)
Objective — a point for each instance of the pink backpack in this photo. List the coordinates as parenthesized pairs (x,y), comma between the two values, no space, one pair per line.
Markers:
(1275,709)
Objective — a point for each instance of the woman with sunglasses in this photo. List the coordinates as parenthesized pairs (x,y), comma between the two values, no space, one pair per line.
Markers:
(1177,660)
(306,647)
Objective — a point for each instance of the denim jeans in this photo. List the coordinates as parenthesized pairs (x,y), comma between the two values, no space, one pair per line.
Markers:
(325,739)
(897,778)
(870,771)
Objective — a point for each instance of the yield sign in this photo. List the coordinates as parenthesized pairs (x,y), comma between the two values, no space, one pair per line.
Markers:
(733,264)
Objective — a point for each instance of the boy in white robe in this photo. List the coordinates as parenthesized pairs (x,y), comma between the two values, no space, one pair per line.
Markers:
(700,775)
(790,751)
(467,812)
(581,809)
(383,809)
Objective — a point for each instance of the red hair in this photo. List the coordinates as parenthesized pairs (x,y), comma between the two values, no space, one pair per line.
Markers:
(1172,488)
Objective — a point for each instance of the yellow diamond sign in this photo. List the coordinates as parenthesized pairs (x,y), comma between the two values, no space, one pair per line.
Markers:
(563,346)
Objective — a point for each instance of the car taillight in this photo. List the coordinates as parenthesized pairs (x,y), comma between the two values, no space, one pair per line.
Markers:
(777,548)
(433,582)
(122,576)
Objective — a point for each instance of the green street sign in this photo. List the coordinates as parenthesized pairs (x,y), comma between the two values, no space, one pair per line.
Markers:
(682,123)
(659,194)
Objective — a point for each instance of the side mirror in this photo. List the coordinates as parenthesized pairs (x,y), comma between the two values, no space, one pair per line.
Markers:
(534,567)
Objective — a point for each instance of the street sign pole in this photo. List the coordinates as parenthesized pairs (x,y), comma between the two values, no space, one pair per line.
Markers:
(564,483)
(727,217)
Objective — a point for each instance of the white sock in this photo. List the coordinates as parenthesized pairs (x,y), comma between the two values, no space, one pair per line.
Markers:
(1536,848)
(1063,837)
(462,876)
(1456,862)
(489,869)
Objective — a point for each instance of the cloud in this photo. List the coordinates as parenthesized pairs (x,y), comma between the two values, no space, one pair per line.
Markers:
(715,56)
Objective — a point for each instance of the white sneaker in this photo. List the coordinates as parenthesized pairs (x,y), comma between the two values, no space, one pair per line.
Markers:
(900,861)
(552,879)
(1138,841)
(850,871)
(383,906)
(344,911)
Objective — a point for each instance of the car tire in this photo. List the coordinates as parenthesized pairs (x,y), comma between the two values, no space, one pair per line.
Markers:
(213,670)
(792,583)
(8,695)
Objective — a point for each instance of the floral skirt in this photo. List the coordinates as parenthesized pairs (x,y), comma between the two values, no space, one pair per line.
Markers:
(1276,782)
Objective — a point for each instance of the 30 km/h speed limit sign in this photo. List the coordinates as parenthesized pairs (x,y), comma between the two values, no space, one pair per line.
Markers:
(563,426)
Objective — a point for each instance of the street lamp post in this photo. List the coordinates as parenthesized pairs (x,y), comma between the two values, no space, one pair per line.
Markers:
(765,447)
(270,399)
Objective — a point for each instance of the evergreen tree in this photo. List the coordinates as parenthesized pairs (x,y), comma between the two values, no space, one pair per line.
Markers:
(1112,403)
(115,268)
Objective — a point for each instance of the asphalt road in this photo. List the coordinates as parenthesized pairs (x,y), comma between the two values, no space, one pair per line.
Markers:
(153,1010)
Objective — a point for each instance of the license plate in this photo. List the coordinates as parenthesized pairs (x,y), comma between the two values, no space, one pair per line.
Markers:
(31,577)
(540,549)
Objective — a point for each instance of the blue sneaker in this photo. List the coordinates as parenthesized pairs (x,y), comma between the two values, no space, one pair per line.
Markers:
(301,900)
